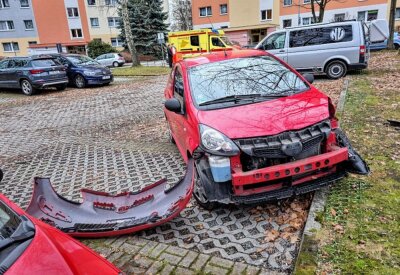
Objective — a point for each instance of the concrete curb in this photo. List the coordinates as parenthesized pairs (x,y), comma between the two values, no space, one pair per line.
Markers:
(319,199)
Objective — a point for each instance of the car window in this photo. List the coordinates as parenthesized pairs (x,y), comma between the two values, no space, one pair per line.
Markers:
(263,75)
(9,221)
(275,41)
(178,87)
(100,57)
(319,36)
(45,63)
(110,55)
(17,63)
(217,42)
(62,60)
(81,60)
(3,64)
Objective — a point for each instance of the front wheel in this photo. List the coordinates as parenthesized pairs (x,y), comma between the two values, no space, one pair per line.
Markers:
(79,81)
(199,194)
(336,69)
(115,64)
(27,87)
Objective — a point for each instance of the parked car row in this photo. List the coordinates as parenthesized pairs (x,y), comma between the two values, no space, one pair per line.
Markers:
(52,70)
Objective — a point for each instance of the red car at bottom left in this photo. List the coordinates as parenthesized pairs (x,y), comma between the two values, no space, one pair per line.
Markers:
(29,246)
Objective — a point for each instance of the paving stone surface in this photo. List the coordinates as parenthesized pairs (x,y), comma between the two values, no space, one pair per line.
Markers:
(114,139)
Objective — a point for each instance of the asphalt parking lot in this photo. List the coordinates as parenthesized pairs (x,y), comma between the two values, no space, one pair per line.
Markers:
(114,139)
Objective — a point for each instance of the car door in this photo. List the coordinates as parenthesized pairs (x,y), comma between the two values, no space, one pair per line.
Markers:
(3,67)
(178,120)
(10,78)
(101,59)
(110,59)
(275,44)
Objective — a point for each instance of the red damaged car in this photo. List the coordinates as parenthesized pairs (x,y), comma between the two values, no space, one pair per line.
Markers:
(29,246)
(256,129)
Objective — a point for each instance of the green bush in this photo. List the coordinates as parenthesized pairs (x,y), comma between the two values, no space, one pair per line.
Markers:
(97,47)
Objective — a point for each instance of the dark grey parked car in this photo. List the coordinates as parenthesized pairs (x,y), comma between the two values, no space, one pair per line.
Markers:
(32,73)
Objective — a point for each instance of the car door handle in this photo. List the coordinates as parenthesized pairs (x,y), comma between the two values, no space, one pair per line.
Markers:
(282,51)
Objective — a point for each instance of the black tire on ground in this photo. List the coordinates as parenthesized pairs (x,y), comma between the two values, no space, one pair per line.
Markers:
(106,84)
(115,64)
(79,81)
(61,87)
(27,87)
(336,69)
(199,195)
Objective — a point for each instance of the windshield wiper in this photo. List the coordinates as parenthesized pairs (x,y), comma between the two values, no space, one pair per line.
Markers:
(24,231)
(230,98)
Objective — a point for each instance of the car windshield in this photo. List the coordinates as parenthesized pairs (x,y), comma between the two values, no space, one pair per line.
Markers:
(262,76)
(82,60)
(226,41)
(9,221)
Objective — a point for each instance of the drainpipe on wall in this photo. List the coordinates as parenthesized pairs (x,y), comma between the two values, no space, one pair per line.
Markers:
(298,15)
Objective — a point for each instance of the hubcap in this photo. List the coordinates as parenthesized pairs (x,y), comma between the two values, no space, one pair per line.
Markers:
(115,64)
(26,87)
(80,82)
(336,70)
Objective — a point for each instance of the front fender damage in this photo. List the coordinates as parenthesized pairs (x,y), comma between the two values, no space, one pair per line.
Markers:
(101,214)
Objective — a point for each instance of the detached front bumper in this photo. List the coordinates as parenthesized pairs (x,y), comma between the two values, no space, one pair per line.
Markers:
(42,83)
(101,214)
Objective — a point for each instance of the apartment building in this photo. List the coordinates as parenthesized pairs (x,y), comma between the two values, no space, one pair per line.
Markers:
(397,16)
(298,12)
(244,22)
(18,27)
(45,26)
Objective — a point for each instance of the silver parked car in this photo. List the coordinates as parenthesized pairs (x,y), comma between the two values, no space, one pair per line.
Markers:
(111,59)
(332,48)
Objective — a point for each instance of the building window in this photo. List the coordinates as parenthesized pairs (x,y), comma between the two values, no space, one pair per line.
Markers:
(4,4)
(116,42)
(287,2)
(339,17)
(28,24)
(306,1)
(287,23)
(397,14)
(110,2)
(73,12)
(91,2)
(32,42)
(308,20)
(223,9)
(205,11)
(367,15)
(24,3)
(7,25)
(76,33)
(266,15)
(113,22)
(94,22)
(11,47)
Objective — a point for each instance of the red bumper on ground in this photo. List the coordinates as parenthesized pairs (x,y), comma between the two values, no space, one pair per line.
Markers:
(275,177)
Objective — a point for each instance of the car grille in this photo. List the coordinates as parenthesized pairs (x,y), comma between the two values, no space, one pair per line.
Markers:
(292,144)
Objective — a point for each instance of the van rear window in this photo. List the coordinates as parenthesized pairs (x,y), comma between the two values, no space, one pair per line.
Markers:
(44,63)
(320,36)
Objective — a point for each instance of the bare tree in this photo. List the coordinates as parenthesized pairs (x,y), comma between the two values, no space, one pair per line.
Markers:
(181,15)
(393,4)
(128,32)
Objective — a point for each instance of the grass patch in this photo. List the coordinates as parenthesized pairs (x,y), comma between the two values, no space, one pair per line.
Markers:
(141,71)
(362,233)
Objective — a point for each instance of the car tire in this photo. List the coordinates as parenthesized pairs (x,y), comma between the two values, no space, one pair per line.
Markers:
(115,64)
(79,81)
(199,196)
(27,88)
(336,69)
(61,87)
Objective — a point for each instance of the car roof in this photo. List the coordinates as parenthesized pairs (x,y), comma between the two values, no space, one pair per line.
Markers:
(220,56)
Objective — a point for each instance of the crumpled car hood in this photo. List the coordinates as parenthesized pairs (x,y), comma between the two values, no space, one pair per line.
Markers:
(101,214)
(269,117)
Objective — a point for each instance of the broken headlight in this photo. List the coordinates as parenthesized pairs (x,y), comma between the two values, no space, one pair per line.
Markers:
(214,142)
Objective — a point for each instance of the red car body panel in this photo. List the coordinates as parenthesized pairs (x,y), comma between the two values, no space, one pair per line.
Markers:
(269,117)
(54,252)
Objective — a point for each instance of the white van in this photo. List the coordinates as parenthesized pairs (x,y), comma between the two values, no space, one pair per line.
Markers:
(331,48)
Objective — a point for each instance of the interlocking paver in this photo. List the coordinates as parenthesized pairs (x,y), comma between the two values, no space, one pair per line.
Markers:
(169,258)
(114,139)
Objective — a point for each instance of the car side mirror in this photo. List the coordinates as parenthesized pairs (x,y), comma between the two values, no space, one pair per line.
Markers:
(173,105)
(309,77)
